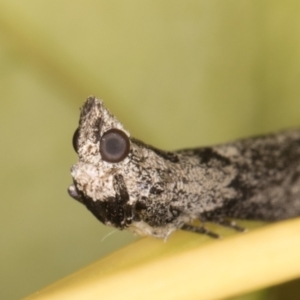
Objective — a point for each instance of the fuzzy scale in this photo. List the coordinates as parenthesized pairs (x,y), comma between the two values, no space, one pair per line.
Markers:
(154,192)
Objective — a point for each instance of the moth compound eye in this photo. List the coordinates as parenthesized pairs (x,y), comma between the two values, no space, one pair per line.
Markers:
(75,140)
(114,146)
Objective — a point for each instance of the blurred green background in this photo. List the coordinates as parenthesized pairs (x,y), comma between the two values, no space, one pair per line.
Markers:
(176,73)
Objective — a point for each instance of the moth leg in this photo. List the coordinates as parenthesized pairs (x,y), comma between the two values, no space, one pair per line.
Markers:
(201,230)
(231,224)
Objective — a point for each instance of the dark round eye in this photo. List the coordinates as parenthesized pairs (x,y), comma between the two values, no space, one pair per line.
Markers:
(114,146)
(75,140)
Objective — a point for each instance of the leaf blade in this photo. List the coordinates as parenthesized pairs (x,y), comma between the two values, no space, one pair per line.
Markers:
(212,270)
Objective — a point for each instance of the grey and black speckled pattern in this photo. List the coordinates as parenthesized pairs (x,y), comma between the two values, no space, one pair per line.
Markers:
(154,192)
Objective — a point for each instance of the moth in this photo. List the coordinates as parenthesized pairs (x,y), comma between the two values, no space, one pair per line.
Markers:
(130,185)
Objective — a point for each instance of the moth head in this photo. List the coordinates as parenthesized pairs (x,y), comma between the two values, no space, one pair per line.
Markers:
(103,148)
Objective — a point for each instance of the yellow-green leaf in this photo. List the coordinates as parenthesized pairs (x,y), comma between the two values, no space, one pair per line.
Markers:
(188,266)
